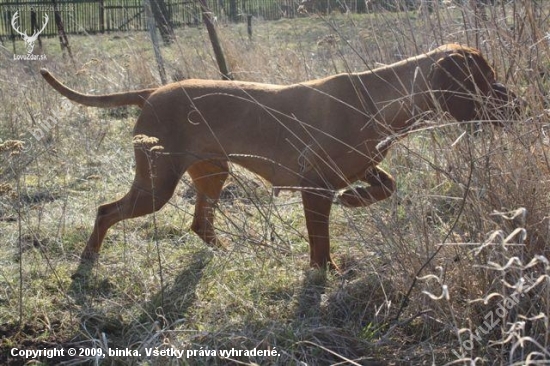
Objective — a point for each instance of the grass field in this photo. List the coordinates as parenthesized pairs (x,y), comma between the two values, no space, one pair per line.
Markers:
(452,269)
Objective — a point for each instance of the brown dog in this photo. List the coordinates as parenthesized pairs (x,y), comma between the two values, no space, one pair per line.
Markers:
(318,136)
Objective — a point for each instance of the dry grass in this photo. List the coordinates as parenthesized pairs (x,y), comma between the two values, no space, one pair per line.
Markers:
(452,269)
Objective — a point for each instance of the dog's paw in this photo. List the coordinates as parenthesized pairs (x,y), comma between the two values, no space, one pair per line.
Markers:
(88,257)
(349,199)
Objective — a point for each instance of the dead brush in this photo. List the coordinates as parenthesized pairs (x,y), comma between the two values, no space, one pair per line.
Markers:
(508,321)
(513,253)
(466,218)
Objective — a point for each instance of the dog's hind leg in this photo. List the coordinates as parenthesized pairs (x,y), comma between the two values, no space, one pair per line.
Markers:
(208,177)
(153,186)
(317,205)
(382,185)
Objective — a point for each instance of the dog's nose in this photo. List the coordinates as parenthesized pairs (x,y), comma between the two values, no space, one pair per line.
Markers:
(503,105)
(501,91)
(508,99)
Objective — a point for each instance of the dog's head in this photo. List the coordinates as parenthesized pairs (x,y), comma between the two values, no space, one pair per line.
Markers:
(464,85)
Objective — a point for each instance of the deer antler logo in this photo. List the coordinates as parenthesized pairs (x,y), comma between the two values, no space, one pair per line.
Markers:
(29,41)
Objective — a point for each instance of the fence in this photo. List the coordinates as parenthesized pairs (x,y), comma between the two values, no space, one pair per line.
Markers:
(93,16)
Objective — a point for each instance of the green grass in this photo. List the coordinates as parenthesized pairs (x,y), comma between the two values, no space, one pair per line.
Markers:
(159,286)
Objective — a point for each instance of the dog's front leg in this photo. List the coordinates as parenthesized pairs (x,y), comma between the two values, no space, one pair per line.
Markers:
(317,204)
(382,185)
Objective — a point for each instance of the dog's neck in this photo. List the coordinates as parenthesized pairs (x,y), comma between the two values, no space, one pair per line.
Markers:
(402,99)
(408,81)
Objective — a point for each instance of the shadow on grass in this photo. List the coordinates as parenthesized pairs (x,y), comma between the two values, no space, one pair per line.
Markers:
(309,298)
(324,318)
(172,303)
(162,310)
(81,282)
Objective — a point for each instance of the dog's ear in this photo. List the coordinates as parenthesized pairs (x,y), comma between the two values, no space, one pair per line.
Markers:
(455,81)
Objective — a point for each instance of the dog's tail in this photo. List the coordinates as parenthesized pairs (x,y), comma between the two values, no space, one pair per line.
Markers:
(137,97)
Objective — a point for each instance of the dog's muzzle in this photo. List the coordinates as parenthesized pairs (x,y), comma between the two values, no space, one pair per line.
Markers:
(504,105)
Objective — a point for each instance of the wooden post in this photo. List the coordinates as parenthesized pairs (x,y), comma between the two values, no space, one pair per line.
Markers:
(12,35)
(218,52)
(102,16)
(233,10)
(163,20)
(249,25)
(34,27)
(63,40)
(154,39)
